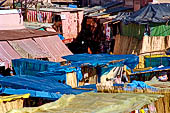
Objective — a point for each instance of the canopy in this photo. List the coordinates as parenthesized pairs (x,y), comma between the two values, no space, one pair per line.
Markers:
(155,69)
(36,84)
(13,97)
(25,66)
(102,59)
(155,13)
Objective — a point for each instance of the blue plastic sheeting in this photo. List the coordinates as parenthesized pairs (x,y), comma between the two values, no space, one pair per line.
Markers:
(33,93)
(72,6)
(38,84)
(52,75)
(60,72)
(61,36)
(155,69)
(25,66)
(155,62)
(45,69)
(102,59)
(140,85)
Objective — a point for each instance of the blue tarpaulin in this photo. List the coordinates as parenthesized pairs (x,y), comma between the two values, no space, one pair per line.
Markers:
(61,36)
(41,85)
(155,69)
(102,59)
(103,62)
(138,85)
(33,93)
(60,72)
(25,66)
(72,6)
(157,61)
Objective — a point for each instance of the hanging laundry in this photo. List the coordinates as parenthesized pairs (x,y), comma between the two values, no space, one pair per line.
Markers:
(152,108)
(142,111)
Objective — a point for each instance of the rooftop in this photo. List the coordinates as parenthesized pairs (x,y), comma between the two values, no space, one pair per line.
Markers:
(23,34)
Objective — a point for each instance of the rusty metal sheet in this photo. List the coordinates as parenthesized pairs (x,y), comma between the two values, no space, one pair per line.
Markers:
(7,53)
(54,46)
(28,48)
(23,34)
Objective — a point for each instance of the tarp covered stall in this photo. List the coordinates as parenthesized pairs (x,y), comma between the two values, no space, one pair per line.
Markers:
(25,66)
(104,63)
(97,103)
(37,86)
(55,47)
(8,103)
(152,13)
(154,69)
(102,59)
(53,70)
(7,53)
(157,60)
(69,75)
(151,33)
(28,48)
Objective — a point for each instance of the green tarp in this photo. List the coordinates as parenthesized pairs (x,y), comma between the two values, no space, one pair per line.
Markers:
(137,30)
(159,29)
(132,30)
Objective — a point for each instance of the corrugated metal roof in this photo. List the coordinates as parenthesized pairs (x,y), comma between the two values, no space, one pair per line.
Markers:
(7,53)
(110,11)
(28,48)
(58,9)
(54,46)
(97,8)
(23,34)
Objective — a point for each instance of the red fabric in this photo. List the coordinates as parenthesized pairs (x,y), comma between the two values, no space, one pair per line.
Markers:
(32,16)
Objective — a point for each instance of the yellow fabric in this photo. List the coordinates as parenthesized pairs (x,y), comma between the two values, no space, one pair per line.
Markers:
(13,97)
(156,56)
(142,111)
(142,69)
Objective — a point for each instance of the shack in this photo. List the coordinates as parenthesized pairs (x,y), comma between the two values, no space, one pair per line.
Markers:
(38,87)
(100,37)
(144,31)
(97,67)
(18,42)
(66,21)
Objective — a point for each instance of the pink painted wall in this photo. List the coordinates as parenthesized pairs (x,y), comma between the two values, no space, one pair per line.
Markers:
(11,21)
(72,24)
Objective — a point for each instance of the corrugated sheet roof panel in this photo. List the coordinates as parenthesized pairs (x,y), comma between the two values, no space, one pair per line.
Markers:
(54,46)
(31,48)
(23,34)
(7,53)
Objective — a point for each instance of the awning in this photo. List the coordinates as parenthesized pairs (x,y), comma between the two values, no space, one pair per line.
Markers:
(111,11)
(55,47)
(13,97)
(28,48)
(155,69)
